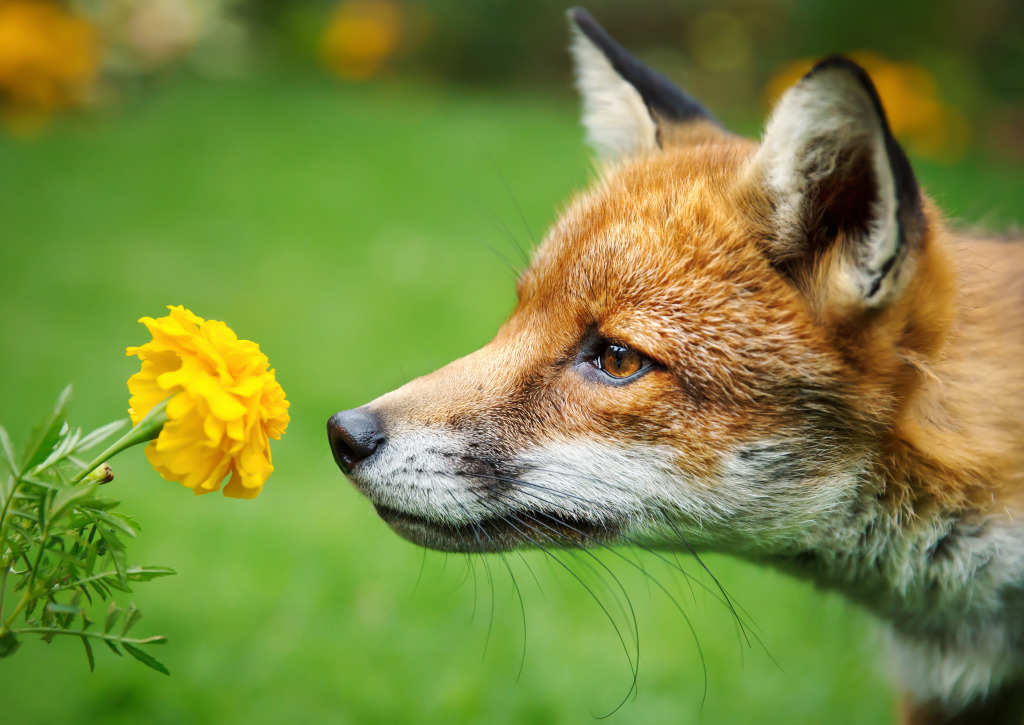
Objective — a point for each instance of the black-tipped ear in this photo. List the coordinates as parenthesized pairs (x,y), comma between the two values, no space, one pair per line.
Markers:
(836,176)
(625,103)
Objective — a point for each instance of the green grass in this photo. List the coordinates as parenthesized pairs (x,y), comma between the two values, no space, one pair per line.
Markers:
(347,231)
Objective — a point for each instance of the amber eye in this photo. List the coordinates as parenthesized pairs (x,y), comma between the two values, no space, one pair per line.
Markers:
(619,361)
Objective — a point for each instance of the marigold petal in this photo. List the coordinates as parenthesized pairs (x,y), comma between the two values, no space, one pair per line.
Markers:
(222,404)
(236,489)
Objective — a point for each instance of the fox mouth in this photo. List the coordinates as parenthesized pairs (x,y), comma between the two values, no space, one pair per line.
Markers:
(511,530)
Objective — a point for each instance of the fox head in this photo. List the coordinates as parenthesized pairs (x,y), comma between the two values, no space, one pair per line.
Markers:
(711,343)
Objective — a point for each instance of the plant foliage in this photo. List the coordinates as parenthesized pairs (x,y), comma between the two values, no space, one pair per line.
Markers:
(63,558)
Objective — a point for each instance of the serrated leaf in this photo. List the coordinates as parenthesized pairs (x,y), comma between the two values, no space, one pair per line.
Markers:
(45,435)
(90,440)
(145,573)
(145,658)
(88,653)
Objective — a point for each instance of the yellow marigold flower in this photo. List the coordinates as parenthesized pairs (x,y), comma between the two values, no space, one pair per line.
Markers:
(361,37)
(225,403)
(49,58)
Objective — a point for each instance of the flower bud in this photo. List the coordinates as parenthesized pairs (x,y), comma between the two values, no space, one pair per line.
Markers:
(102,474)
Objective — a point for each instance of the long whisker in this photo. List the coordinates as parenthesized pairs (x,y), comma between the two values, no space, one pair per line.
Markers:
(508,189)
(628,539)
(419,578)
(727,599)
(515,585)
(631,616)
(634,667)
(648,576)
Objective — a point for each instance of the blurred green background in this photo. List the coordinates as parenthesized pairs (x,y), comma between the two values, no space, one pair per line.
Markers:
(342,183)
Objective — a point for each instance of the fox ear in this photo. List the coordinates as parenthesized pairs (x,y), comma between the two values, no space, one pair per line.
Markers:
(626,104)
(846,210)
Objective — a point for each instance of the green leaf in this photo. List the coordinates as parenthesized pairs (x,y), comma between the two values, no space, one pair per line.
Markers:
(88,653)
(89,563)
(43,483)
(102,504)
(66,442)
(45,435)
(113,614)
(23,514)
(100,588)
(116,549)
(7,449)
(90,440)
(66,497)
(114,519)
(113,647)
(7,487)
(74,562)
(63,608)
(144,658)
(132,616)
(145,573)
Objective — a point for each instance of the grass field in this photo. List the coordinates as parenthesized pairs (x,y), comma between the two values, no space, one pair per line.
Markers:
(350,232)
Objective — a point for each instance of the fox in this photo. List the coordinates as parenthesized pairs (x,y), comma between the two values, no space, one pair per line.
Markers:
(778,349)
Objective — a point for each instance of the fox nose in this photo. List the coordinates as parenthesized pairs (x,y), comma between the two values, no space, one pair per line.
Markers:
(354,435)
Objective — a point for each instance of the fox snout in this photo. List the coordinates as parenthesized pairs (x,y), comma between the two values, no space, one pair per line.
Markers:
(354,435)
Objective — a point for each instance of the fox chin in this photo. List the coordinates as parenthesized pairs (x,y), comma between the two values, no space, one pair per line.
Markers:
(774,349)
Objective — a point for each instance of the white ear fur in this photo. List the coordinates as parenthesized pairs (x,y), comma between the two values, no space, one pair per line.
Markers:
(615,116)
(823,123)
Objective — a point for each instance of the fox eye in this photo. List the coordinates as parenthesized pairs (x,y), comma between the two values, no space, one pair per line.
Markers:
(620,361)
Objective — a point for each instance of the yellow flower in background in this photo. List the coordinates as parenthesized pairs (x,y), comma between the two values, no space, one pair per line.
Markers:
(910,96)
(225,404)
(49,58)
(361,37)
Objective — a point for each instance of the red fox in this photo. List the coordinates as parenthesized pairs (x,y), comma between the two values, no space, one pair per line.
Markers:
(778,350)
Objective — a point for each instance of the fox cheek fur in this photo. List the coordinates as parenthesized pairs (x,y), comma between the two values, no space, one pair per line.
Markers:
(775,349)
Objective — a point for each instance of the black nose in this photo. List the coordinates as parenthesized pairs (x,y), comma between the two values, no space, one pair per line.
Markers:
(354,435)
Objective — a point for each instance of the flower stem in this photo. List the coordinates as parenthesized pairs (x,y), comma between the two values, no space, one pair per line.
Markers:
(158,639)
(146,430)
